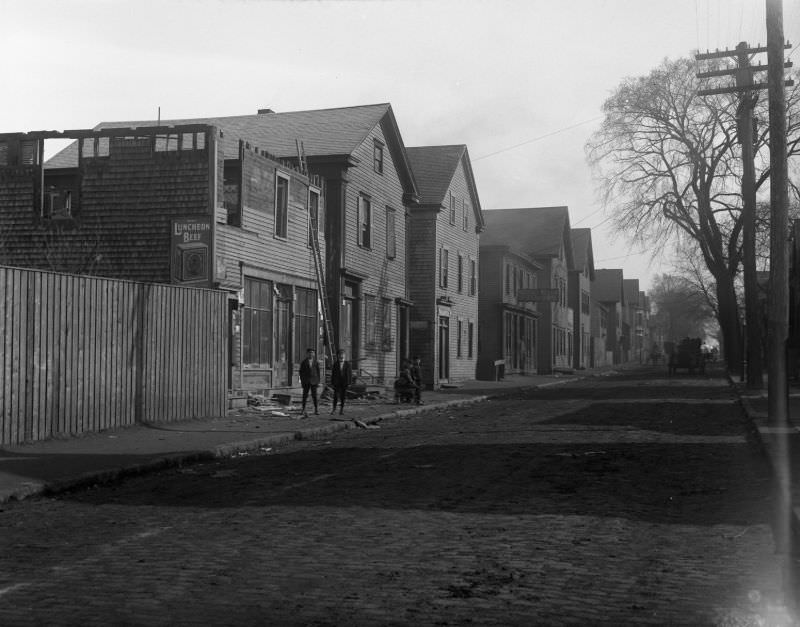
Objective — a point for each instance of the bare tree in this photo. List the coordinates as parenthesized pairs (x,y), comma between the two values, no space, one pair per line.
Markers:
(669,163)
(681,308)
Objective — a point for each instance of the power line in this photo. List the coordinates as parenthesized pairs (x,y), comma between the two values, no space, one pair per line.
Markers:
(584,218)
(535,139)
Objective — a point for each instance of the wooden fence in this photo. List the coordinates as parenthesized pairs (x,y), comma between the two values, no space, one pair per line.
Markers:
(84,354)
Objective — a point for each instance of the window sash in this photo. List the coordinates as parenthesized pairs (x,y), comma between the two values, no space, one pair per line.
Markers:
(391,234)
(444,262)
(257,324)
(364,222)
(377,157)
(473,278)
(281,206)
(369,320)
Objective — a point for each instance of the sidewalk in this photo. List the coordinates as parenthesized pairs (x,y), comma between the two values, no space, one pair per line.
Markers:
(58,464)
(781,446)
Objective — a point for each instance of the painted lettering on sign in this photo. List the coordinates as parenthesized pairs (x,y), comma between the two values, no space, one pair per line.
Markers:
(190,231)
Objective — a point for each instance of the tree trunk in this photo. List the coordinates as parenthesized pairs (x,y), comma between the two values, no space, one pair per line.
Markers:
(729,324)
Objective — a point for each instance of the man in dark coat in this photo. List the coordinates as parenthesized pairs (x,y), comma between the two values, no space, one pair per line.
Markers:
(416,376)
(341,379)
(309,379)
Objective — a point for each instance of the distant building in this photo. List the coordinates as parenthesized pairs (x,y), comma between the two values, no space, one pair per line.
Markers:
(608,291)
(543,235)
(580,300)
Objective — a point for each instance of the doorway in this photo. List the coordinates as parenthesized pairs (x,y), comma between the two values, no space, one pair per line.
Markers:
(444,348)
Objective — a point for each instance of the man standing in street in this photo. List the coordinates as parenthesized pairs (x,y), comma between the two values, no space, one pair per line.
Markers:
(309,379)
(416,376)
(341,379)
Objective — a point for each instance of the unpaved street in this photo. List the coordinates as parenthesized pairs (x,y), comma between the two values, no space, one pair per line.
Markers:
(617,500)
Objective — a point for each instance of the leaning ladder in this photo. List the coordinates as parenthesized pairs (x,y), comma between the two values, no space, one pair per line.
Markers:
(319,268)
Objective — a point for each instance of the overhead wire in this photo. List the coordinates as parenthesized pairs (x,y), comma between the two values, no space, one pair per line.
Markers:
(535,139)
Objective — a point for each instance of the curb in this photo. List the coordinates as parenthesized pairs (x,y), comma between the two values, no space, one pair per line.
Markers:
(244,447)
(221,451)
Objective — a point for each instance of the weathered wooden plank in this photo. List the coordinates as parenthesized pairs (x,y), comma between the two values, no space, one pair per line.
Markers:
(32,357)
(7,321)
(80,416)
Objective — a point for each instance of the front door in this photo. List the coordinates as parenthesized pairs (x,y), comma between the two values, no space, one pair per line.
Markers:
(444,348)
(402,334)
(281,367)
(348,323)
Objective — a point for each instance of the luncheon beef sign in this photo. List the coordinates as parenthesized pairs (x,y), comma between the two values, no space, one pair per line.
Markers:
(191,251)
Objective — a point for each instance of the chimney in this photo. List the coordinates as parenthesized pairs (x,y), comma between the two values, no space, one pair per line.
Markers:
(265,111)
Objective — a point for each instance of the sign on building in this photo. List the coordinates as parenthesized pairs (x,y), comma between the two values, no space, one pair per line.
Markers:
(539,295)
(191,251)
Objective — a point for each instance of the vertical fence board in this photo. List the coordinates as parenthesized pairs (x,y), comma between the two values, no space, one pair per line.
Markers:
(7,322)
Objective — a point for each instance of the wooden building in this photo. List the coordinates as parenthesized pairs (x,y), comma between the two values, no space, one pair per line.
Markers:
(543,233)
(182,204)
(580,301)
(508,334)
(443,260)
(367,183)
(607,290)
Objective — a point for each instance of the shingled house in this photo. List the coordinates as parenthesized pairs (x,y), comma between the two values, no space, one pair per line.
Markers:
(149,204)
(443,247)
(359,154)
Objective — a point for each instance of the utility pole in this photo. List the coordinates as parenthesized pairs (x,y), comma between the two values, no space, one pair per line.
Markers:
(778,299)
(744,116)
(748,90)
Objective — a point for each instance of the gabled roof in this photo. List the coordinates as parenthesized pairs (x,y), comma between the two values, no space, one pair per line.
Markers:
(607,286)
(434,168)
(323,133)
(583,251)
(631,289)
(538,231)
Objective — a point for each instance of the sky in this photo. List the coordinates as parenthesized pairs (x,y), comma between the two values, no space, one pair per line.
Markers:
(520,82)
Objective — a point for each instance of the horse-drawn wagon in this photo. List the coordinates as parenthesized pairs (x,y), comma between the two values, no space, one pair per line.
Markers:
(688,354)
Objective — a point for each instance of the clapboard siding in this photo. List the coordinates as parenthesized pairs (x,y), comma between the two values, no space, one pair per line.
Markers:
(386,278)
(86,354)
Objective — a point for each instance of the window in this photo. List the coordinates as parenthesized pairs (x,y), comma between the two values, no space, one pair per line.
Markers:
(305,317)
(57,203)
(452,208)
(377,157)
(473,277)
(464,215)
(391,235)
(257,324)
(370,315)
(460,274)
(584,302)
(314,225)
(514,280)
(444,262)
(281,206)
(458,338)
(386,321)
(364,221)
(508,278)
(470,338)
